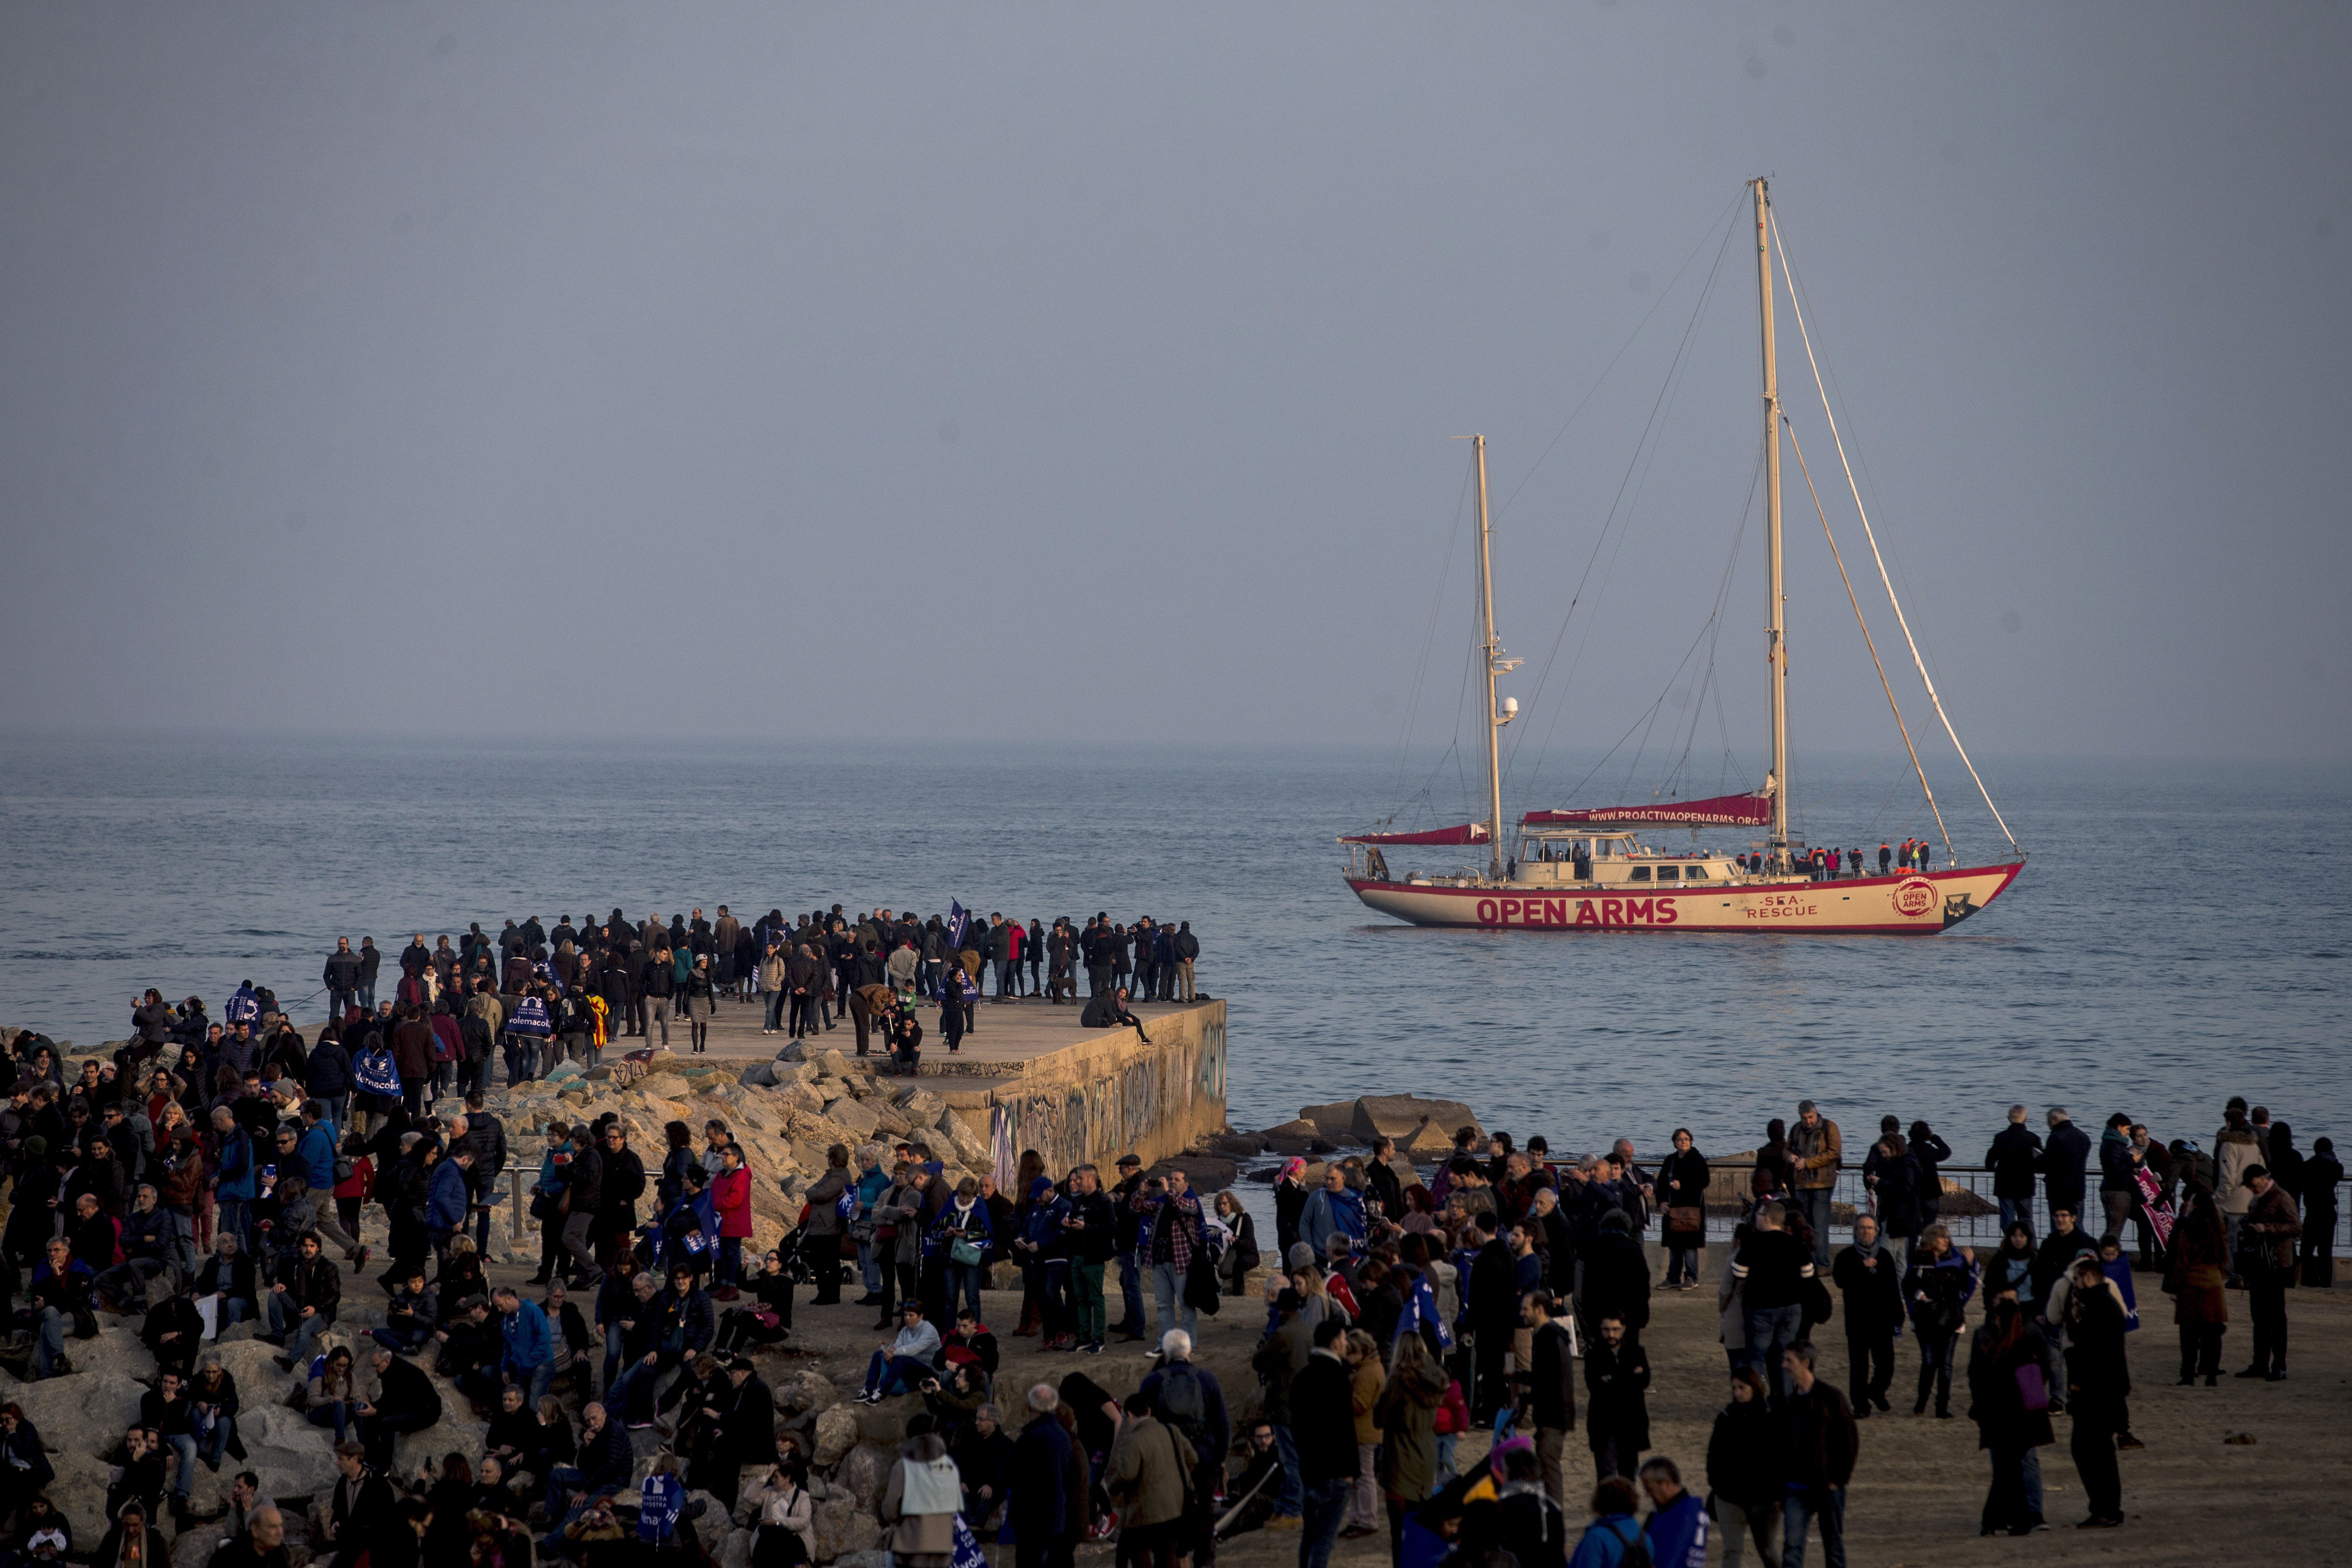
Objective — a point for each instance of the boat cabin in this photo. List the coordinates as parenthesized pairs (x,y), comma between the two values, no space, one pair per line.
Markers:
(1604,858)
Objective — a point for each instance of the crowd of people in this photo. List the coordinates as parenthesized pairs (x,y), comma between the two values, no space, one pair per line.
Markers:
(183,1184)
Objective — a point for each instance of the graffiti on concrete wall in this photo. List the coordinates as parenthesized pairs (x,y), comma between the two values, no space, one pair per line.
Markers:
(1104,1116)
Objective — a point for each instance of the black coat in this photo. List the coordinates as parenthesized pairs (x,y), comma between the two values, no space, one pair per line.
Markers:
(1495,1289)
(1552,1378)
(1617,1281)
(2014,1156)
(748,1430)
(2065,1156)
(1745,1460)
(1323,1420)
(1616,1404)
(1874,1297)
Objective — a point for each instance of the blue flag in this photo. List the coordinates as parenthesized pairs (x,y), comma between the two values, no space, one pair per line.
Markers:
(958,919)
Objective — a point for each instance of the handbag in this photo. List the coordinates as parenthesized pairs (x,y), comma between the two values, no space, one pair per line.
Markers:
(2031,1390)
(963,1253)
(1684,1218)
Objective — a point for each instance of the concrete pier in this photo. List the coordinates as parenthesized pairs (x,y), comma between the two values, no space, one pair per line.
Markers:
(1029,1078)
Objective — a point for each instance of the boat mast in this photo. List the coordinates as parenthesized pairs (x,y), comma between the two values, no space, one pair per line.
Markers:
(1492,652)
(1776,646)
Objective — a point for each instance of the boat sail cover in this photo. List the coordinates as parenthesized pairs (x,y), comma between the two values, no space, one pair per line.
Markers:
(1721,811)
(1468,833)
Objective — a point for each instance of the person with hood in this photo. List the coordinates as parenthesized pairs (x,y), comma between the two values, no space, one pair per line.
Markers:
(2010,1402)
(2195,1280)
(920,1502)
(1747,1472)
(2322,1175)
(1936,1292)
(2098,1387)
(2237,1148)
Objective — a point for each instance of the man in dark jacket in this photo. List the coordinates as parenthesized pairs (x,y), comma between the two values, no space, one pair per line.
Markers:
(2013,1157)
(746,1436)
(617,1204)
(1036,1495)
(2065,1158)
(2098,1386)
(1551,1389)
(1871,1282)
(1323,1425)
(1616,1402)
(363,1506)
(1491,1307)
(1108,1011)
(1821,1443)
(342,978)
(330,1074)
(405,1401)
(583,1193)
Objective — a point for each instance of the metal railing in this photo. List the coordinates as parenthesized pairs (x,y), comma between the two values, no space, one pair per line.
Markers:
(1972,1214)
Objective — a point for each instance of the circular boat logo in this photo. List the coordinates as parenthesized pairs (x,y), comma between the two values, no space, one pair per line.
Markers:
(1915,896)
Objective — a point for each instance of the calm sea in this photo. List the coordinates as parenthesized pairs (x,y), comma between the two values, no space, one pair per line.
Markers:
(2179,936)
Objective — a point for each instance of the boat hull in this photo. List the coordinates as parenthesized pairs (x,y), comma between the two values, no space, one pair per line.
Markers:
(1919,903)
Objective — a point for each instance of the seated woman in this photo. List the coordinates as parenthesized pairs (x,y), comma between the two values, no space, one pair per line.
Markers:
(334,1388)
(768,1321)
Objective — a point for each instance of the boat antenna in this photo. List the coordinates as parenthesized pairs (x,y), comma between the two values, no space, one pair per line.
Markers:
(1776,646)
(1868,534)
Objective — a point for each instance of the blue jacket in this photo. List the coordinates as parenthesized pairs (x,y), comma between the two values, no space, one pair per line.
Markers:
(1606,1541)
(1037,1490)
(1678,1533)
(317,1153)
(528,1341)
(446,1197)
(1328,1215)
(237,1165)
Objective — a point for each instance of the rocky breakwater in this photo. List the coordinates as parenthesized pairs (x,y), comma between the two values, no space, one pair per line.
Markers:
(786,1113)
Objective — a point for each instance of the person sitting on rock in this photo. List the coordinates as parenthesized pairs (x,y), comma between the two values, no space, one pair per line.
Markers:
(145,1464)
(60,1294)
(227,1278)
(411,1318)
(405,1401)
(146,1240)
(131,1544)
(302,1302)
(1108,1011)
(260,1544)
(171,1332)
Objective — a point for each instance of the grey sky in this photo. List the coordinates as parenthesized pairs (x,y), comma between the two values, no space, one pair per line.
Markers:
(1063,369)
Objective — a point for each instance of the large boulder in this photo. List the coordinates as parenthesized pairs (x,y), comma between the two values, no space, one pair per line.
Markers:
(732,1549)
(864,1472)
(1337,1120)
(969,1147)
(79,1492)
(292,1457)
(858,1115)
(805,1390)
(761,1073)
(459,1431)
(836,1434)
(842,1528)
(1401,1116)
(84,1414)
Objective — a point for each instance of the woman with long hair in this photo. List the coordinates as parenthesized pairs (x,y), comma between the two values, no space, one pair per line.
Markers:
(1406,1414)
(2194,1280)
(1746,1471)
(2009,1402)
(333,1390)
(1774,1175)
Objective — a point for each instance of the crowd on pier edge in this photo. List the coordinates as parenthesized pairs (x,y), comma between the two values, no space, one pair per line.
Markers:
(209,1173)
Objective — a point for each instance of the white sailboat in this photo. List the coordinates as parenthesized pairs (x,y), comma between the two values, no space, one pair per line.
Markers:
(1592,869)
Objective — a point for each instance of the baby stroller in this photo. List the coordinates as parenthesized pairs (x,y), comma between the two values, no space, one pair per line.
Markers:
(794,1254)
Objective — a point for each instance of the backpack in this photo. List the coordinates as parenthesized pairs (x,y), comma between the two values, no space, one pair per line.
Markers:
(1180,1405)
(1637,1550)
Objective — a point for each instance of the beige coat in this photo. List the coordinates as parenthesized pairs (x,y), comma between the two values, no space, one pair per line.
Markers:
(1150,1463)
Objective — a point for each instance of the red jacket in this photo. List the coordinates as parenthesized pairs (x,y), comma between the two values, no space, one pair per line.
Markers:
(730,1194)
